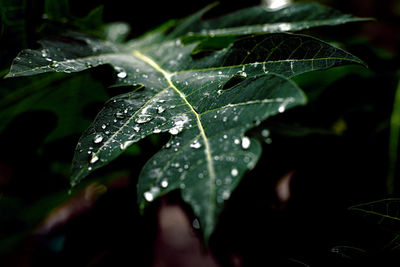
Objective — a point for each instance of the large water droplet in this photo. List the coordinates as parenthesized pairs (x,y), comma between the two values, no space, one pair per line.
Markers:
(174,131)
(196,224)
(164,183)
(195,144)
(143,118)
(234,172)
(54,64)
(148,196)
(265,133)
(160,109)
(94,158)
(281,108)
(225,194)
(245,142)
(126,144)
(98,138)
(122,74)
(119,115)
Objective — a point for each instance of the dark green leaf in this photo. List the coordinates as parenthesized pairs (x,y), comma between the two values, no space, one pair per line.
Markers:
(206,102)
(385,212)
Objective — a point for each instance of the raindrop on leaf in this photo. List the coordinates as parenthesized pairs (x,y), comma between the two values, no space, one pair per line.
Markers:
(245,142)
(98,138)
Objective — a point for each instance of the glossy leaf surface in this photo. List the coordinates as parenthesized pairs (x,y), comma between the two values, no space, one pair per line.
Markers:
(206,102)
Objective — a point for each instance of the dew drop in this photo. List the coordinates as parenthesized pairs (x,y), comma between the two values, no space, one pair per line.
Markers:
(160,109)
(173,131)
(94,158)
(122,74)
(89,168)
(54,64)
(242,74)
(156,130)
(195,144)
(265,133)
(236,141)
(136,128)
(164,183)
(281,108)
(196,224)
(143,118)
(103,126)
(148,196)
(225,136)
(225,194)
(245,142)
(126,144)
(234,172)
(119,115)
(98,138)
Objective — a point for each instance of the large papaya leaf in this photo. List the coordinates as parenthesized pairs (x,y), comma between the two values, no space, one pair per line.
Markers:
(206,103)
(385,212)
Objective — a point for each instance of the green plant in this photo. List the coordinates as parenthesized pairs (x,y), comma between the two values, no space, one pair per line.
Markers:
(206,82)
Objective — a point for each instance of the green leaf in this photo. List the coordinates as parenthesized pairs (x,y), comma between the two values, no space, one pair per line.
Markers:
(66,97)
(260,19)
(206,102)
(385,212)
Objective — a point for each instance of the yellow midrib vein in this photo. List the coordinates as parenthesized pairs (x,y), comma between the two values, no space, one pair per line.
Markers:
(167,76)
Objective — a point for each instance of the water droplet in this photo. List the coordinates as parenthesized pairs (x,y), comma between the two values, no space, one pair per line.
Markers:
(234,172)
(236,141)
(148,196)
(173,131)
(98,138)
(160,109)
(136,128)
(195,144)
(242,74)
(143,118)
(54,64)
(219,72)
(265,133)
(94,158)
(225,136)
(156,130)
(225,194)
(126,144)
(245,142)
(164,183)
(122,74)
(103,126)
(196,224)
(89,168)
(88,65)
(119,115)
(281,108)
(182,186)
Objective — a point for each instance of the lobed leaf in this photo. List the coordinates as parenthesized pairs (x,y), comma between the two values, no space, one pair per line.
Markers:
(206,102)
